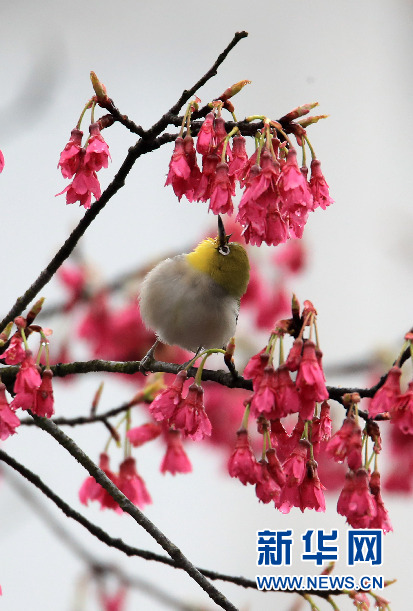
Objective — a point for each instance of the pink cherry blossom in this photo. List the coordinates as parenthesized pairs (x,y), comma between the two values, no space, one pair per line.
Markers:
(205,140)
(179,170)
(97,151)
(287,400)
(401,411)
(275,468)
(291,257)
(222,190)
(356,502)
(175,459)
(318,186)
(311,490)
(113,602)
(27,382)
(242,463)
(260,210)
(190,417)
(8,419)
(204,187)
(184,174)
(293,187)
(283,443)
(15,352)
(272,306)
(294,356)
(219,136)
(385,398)
(84,185)
(295,466)
(321,427)
(310,377)
(346,443)
(266,488)
(71,156)
(141,434)
(44,402)
(132,484)
(252,213)
(239,156)
(92,491)
(254,369)
(381,520)
(264,399)
(165,404)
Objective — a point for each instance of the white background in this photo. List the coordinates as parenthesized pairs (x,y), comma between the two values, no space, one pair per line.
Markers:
(353,57)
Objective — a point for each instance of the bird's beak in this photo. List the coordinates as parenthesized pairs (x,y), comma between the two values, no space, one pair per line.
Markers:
(222,236)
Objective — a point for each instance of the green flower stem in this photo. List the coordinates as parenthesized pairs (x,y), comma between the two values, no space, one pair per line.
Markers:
(366,451)
(313,156)
(281,356)
(82,114)
(92,112)
(406,345)
(127,445)
(23,334)
(45,344)
(208,352)
(333,604)
(224,148)
(317,341)
(304,159)
(282,132)
(369,461)
(313,606)
(271,347)
(255,118)
(198,376)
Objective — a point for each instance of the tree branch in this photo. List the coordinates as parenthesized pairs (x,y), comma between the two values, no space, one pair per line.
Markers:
(148,142)
(120,545)
(128,507)
(96,566)
(220,376)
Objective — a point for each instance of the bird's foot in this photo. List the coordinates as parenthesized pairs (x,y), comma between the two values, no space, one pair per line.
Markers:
(148,360)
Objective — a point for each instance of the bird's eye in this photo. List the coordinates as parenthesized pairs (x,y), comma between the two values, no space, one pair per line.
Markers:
(224,250)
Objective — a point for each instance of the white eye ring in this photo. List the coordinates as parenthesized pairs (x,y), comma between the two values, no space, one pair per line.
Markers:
(224,250)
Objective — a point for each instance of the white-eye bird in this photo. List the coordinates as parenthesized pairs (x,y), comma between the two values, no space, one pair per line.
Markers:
(192,300)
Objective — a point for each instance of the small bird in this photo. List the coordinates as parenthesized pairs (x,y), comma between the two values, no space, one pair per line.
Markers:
(192,300)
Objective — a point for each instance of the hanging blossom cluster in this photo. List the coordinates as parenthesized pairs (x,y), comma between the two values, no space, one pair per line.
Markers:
(127,479)
(278,195)
(287,473)
(81,163)
(393,403)
(33,386)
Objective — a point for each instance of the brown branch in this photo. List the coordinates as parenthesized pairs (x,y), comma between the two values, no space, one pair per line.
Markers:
(220,376)
(150,140)
(96,566)
(128,507)
(117,543)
